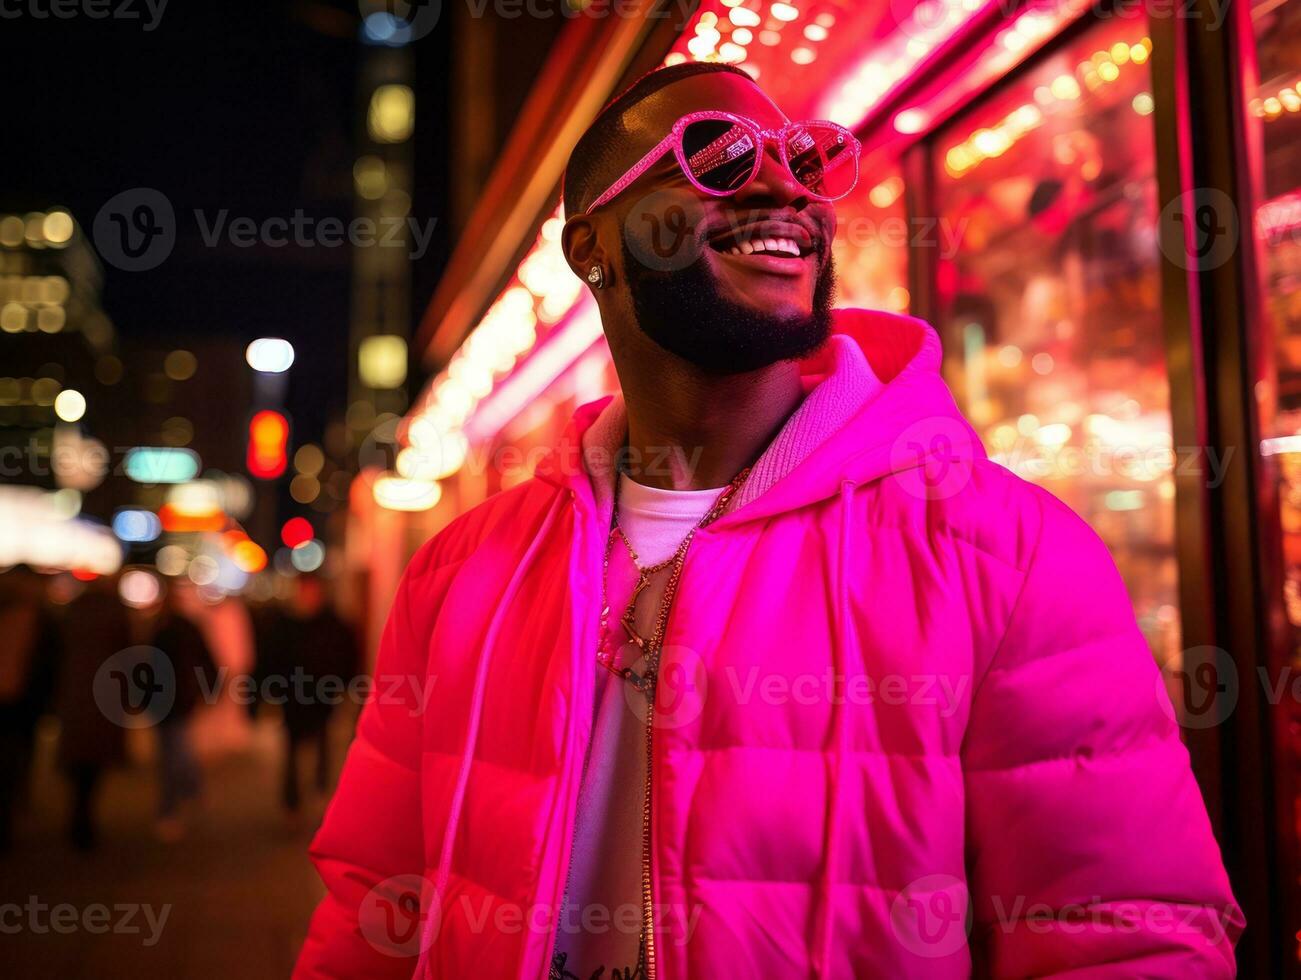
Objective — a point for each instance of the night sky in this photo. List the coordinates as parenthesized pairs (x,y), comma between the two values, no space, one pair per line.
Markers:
(250,107)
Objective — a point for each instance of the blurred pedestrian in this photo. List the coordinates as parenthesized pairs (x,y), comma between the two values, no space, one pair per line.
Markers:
(90,742)
(315,658)
(269,624)
(224,728)
(28,663)
(180,641)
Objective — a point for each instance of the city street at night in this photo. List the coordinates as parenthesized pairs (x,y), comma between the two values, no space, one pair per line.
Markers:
(232,898)
(650,489)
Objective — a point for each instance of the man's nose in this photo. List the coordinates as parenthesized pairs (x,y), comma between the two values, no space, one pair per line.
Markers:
(774,185)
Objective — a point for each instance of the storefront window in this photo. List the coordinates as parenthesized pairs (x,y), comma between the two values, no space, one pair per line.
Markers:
(871,246)
(1274,141)
(1050,299)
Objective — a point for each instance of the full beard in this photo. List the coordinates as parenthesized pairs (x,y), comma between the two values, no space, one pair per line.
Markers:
(685,312)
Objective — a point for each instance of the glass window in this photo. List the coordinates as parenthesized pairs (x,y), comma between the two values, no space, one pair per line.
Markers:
(1050,299)
(871,246)
(1274,144)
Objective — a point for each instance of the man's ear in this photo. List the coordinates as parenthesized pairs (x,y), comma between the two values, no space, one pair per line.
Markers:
(582,246)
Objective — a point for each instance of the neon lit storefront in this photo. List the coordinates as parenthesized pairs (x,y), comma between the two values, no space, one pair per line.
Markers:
(1116,277)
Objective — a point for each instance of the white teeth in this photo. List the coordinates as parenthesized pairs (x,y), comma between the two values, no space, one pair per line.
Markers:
(775,246)
(767,246)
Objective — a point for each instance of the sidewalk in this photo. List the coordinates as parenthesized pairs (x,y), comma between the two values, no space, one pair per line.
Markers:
(237,891)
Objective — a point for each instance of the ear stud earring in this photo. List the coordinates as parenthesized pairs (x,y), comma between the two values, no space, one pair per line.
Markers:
(596,277)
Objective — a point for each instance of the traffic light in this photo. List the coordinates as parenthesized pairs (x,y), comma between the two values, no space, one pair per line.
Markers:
(296,531)
(268,444)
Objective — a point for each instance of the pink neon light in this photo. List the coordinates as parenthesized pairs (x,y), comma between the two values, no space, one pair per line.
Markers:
(1278,218)
(531,377)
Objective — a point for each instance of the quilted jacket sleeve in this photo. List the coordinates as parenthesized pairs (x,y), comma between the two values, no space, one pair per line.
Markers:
(371,835)
(1089,848)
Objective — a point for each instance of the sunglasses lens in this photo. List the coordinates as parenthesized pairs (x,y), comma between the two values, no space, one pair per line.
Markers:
(822,158)
(719,153)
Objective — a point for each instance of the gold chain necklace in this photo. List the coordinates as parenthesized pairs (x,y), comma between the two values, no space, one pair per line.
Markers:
(649,648)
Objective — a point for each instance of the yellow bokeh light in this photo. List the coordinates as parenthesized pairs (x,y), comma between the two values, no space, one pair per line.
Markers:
(743,17)
(400,493)
(392,112)
(57,227)
(180,365)
(70,405)
(382,361)
(370,177)
(304,489)
(309,459)
(887,192)
(1065,87)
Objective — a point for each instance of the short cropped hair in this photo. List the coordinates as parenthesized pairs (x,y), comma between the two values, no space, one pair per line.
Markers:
(594,155)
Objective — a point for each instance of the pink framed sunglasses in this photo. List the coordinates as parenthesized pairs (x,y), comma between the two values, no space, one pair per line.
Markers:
(720,153)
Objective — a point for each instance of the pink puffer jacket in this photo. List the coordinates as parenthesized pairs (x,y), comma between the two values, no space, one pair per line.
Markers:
(915,731)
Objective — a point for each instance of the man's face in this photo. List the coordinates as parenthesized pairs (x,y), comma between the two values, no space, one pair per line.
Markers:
(711,278)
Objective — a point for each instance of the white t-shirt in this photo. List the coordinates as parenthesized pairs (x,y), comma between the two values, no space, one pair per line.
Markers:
(601,921)
(655,521)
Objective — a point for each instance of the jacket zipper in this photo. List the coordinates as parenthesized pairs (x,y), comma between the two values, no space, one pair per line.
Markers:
(569,863)
(648,912)
(569,874)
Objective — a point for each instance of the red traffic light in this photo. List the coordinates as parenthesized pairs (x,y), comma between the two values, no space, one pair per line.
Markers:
(296,531)
(268,444)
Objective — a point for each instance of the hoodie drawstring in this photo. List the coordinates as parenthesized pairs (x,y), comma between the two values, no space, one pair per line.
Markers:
(841,646)
(476,714)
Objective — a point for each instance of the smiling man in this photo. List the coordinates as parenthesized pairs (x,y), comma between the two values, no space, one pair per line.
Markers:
(767,671)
